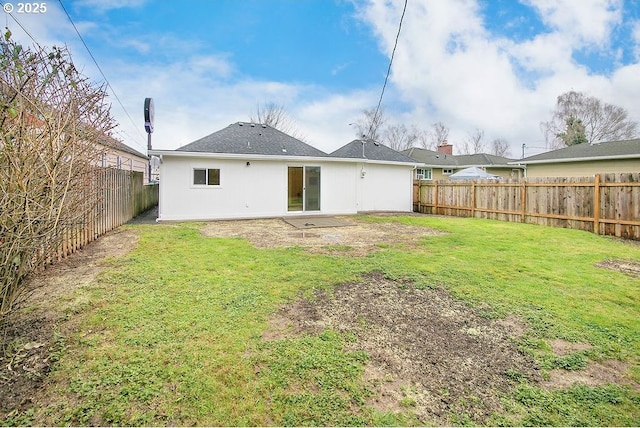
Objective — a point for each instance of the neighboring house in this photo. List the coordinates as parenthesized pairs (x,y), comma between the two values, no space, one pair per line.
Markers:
(584,160)
(110,152)
(249,170)
(439,165)
(119,155)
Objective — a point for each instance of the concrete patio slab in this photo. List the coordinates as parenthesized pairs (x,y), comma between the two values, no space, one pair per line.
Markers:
(312,222)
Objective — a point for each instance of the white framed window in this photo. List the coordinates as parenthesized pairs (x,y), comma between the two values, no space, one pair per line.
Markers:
(206,177)
(423,174)
(447,171)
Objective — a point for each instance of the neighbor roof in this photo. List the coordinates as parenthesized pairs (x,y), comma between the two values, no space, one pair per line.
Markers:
(431,158)
(252,138)
(371,150)
(111,142)
(625,149)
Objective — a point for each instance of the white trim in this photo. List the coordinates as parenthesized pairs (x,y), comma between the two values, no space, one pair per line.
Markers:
(251,157)
(584,159)
(205,186)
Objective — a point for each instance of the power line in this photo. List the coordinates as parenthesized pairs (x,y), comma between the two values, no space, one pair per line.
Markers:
(21,26)
(103,75)
(393,53)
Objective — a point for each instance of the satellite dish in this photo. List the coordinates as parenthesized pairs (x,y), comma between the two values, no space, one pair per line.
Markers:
(148,115)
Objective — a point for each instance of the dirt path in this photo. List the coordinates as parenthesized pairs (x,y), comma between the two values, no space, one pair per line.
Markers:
(33,332)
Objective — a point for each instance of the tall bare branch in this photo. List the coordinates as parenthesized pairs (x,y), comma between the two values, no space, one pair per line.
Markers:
(53,120)
(601,121)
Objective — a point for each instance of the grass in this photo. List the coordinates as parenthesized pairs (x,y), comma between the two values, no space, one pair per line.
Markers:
(171,334)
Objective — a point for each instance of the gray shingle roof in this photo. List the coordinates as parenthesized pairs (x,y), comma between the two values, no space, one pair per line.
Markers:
(253,139)
(432,158)
(371,150)
(482,159)
(608,150)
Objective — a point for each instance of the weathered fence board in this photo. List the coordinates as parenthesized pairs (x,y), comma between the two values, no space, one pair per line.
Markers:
(605,204)
(117,196)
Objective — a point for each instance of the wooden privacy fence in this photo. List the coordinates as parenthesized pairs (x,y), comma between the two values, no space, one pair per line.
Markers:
(606,204)
(117,196)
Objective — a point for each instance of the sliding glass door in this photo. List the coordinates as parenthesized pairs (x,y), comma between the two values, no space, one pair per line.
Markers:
(303,192)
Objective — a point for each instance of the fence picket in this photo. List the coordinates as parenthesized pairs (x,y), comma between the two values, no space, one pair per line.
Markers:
(608,204)
(118,196)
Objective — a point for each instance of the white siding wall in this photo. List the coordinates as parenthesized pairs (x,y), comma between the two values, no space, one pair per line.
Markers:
(258,190)
(385,187)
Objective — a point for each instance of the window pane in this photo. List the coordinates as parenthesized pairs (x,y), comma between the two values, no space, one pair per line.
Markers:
(199,176)
(214,177)
(312,188)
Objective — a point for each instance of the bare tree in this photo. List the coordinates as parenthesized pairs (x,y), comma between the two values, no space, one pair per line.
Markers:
(500,147)
(52,120)
(424,139)
(370,125)
(399,137)
(439,134)
(601,121)
(474,143)
(276,116)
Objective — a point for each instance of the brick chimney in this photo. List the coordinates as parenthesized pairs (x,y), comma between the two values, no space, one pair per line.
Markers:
(445,148)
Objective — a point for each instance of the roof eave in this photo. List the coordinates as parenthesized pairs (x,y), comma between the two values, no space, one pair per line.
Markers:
(579,159)
(250,156)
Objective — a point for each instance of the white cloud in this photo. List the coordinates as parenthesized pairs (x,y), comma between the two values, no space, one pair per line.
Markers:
(189,108)
(105,5)
(583,22)
(635,34)
(449,68)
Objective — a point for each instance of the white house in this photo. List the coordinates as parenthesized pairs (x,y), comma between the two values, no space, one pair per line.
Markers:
(249,170)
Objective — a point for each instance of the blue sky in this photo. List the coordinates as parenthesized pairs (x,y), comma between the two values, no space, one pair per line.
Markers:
(492,65)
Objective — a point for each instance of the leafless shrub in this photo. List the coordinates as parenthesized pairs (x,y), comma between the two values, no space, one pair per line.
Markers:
(51,122)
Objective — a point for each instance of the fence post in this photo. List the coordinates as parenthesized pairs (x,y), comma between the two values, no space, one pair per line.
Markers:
(523,201)
(473,199)
(596,204)
(435,198)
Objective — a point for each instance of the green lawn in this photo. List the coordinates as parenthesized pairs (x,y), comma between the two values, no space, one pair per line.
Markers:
(171,334)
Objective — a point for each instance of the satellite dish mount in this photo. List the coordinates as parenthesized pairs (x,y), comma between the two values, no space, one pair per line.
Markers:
(148,125)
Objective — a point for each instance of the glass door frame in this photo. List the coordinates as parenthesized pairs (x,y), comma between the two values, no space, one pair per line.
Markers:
(301,188)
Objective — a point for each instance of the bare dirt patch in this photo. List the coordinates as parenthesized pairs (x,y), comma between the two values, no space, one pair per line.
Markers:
(629,267)
(427,350)
(358,239)
(562,347)
(595,374)
(31,334)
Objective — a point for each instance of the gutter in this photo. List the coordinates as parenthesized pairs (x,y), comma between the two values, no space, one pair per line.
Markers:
(582,159)
(246,156)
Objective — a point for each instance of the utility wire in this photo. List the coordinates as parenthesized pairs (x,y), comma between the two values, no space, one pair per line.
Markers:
(103,76)
(21,26)
(375,115)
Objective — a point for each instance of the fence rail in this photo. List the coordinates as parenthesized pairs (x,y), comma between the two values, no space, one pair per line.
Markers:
(119,196)
(605,204)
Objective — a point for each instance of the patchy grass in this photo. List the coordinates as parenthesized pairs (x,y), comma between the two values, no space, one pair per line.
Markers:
(172,333)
